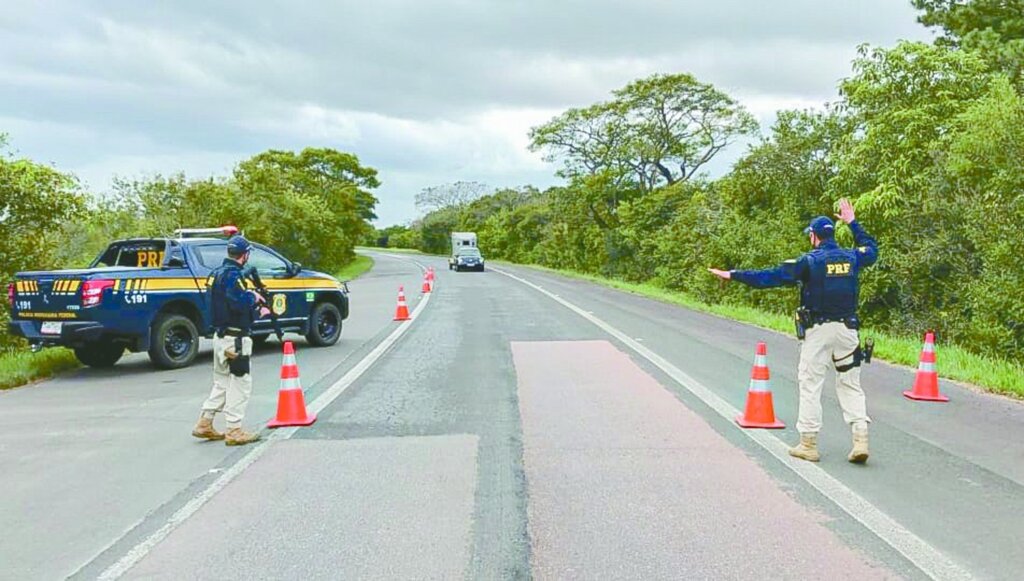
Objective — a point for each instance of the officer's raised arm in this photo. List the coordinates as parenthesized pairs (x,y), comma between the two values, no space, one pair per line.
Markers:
(867,247)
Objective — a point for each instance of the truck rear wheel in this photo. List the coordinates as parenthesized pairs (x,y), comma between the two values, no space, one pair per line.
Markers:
(324,325)
(174,341)
(101,354)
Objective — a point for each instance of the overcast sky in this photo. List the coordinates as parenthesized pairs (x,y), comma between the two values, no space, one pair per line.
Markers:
(425,91)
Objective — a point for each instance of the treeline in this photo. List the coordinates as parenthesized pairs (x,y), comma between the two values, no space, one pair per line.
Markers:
(927,139)
(313,206)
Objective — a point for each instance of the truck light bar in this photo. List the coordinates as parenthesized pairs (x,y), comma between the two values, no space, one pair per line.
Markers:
(225,231)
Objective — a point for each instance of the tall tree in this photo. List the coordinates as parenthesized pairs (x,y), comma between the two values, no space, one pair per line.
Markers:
(449,195)
(659,130)
(316,202)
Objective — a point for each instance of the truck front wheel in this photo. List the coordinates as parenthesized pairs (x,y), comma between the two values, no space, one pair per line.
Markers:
(100,354)
(324,325)
(174,341)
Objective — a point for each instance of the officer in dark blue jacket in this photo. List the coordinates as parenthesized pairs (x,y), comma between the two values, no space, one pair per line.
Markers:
(234,307)
(828,277)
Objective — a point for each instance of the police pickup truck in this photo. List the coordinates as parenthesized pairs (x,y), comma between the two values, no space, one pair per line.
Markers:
(150,294)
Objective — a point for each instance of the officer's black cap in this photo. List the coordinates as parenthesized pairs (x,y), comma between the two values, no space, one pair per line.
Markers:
(822,226)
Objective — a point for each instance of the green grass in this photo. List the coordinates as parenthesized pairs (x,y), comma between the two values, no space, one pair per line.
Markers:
(954,362)
(361,265)
(20,367)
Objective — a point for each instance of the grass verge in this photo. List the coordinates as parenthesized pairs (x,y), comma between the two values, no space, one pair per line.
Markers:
(20,367)
(361,265)
(956,363)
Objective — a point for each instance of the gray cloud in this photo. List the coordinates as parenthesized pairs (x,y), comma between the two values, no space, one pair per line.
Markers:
(427,92)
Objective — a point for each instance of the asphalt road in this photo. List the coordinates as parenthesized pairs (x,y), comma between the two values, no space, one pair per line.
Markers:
(521,426)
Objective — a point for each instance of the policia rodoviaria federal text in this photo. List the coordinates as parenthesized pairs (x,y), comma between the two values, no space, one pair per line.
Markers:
(234,308)
(827,323)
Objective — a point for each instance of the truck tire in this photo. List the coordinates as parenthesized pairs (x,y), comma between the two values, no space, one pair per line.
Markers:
(101,354)
(324,325)
(174,341)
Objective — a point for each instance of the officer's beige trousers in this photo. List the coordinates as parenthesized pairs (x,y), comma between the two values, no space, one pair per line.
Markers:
(230,393)
(824,347)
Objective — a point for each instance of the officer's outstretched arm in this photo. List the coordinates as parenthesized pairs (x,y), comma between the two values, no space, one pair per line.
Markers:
(867,247)
(788,273)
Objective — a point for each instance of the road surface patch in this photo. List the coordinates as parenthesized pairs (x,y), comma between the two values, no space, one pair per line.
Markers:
(625,481)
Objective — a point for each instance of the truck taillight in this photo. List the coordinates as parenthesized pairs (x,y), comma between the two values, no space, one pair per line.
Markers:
(10,294)
(92,291)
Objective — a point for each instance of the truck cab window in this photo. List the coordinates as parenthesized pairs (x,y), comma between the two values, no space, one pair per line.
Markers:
(133,255)
(266,262)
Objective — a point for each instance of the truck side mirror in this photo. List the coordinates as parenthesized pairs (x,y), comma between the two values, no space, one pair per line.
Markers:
(174,262)
(294,268)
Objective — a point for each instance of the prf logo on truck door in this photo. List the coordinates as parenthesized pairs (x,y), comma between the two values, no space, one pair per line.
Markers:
(837,269)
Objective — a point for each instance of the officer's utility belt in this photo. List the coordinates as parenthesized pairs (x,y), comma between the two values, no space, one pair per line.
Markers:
(805,320)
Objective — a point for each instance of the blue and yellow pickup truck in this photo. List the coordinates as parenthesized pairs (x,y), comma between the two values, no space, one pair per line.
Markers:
(150,294)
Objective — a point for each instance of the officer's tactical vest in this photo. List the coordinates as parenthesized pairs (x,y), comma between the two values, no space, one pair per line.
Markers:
(832,288)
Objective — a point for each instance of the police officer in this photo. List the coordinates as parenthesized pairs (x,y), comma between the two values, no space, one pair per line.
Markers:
(234,309)
(828,277)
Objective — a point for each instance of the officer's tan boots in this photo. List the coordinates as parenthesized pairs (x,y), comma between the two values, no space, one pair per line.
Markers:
(204,430)
(807,449)
(859,453)
(239,437)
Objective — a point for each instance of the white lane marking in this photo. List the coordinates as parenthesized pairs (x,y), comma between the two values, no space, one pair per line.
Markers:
(139,551)
(925,557)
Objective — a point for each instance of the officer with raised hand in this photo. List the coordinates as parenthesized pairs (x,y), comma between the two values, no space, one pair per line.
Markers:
(233,308)
(828,276)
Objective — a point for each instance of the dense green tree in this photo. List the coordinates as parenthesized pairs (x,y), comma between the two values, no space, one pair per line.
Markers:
(314,206)
(35,201)
(992,28)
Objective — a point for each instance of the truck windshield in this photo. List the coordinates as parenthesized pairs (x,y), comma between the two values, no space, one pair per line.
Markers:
(468,251)
(133,254)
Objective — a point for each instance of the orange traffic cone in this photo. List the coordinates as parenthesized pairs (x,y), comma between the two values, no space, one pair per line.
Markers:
(291,404)
(430,274)
(759,413)
(426,283)
(926,384)
(402,312)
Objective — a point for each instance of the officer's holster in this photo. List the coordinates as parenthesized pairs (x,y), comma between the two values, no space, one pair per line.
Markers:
(238,361)
(859,355)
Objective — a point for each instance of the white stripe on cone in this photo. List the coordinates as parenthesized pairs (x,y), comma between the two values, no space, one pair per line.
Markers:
(759,385)
(290,383)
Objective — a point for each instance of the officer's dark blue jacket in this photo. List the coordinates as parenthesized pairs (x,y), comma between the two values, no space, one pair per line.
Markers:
(232,306)
(827,274)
